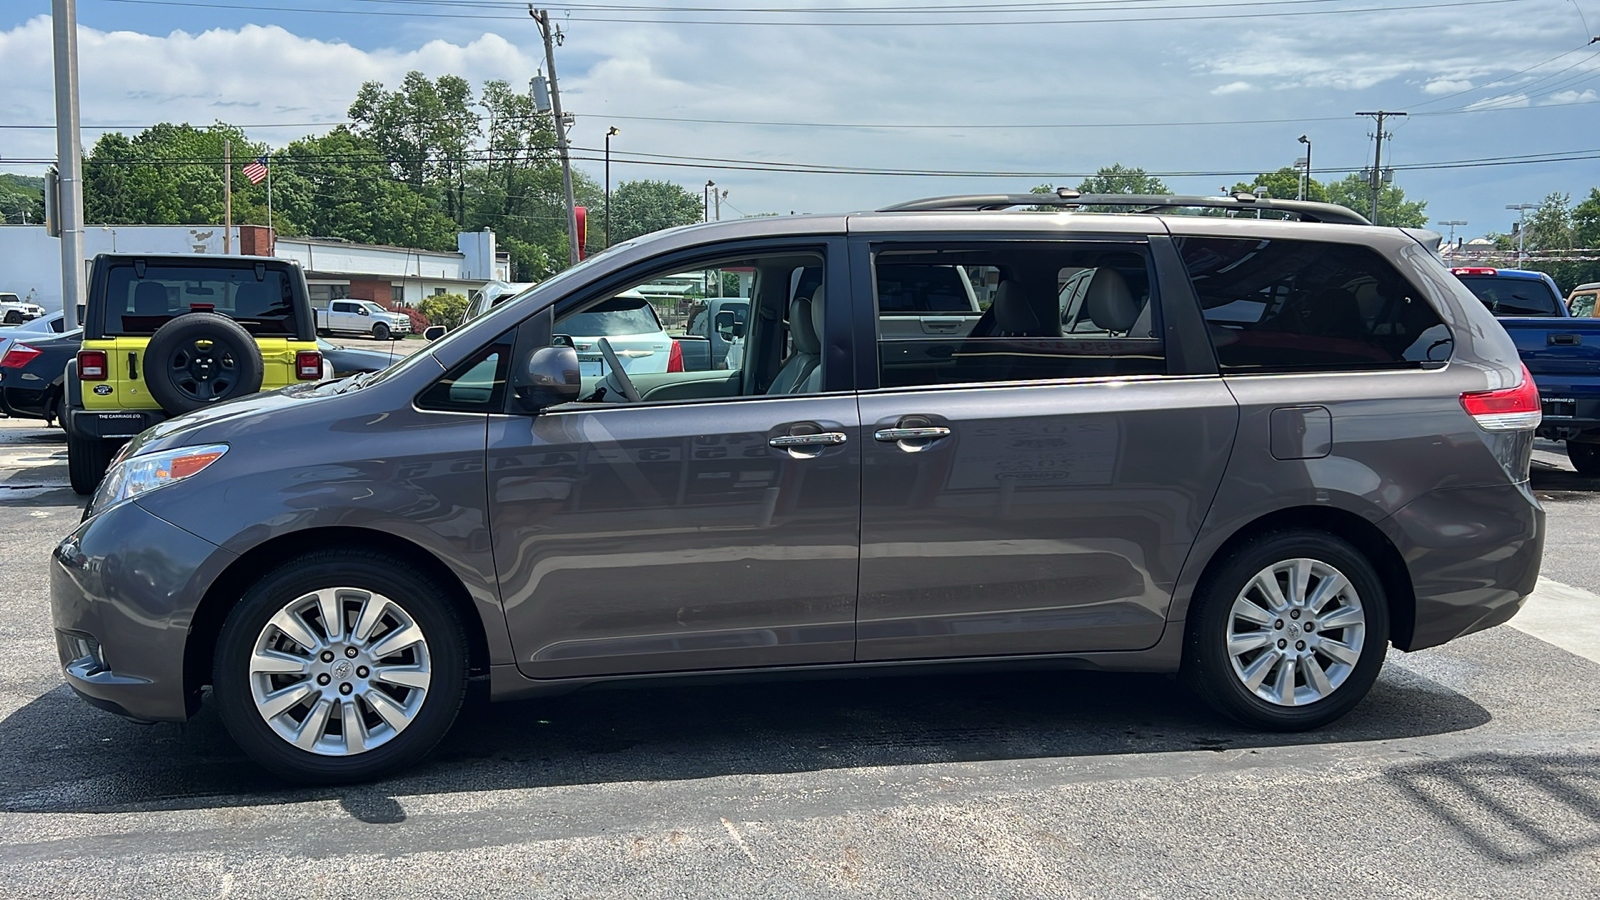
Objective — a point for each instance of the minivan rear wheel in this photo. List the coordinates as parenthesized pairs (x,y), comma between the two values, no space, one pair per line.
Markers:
(1289,632)
(340,666)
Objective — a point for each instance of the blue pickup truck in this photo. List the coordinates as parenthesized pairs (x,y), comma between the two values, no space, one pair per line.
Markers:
(1561,352)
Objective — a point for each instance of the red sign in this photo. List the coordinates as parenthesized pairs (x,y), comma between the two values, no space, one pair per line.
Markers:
(583,230)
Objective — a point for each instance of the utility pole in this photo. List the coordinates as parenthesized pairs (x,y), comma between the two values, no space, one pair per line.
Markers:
(1376,179)
(717,199)
(551,38)
(227,195)
(1522,228)
(610,133)
(69,159)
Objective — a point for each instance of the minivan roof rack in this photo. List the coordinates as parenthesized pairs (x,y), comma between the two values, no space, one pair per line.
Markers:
(1304,210)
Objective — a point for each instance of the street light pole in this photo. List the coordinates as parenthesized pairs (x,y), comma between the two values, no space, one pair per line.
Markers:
(610,132)
(1522,227)
(1453,223)
(1305,190)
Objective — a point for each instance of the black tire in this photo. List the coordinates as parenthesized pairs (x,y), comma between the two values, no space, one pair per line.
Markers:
(87,461)
(1208,666)
(380,331)
(13,318)
(1584,457)
(424,600)
(184,373)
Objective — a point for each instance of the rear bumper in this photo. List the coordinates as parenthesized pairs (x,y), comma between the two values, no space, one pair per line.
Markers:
(118,424)
(1473,556)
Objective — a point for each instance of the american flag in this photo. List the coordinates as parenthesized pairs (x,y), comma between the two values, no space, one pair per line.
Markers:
(256,170)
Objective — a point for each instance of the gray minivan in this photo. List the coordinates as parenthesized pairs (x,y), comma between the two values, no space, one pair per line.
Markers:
(1257,452)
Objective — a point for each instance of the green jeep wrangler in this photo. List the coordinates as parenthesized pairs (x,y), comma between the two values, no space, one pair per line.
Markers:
(165,335)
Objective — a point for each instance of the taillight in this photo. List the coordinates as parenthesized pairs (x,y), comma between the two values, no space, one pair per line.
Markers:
(308,365)
(1509,409)
(675,360)
(1474,270)
(18,356)
(92,365)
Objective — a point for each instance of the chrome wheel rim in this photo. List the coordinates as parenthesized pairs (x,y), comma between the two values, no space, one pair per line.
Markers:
(340,671)
(1296,632)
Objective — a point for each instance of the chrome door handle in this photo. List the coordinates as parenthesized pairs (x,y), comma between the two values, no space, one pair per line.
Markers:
(911,434)
(826,439)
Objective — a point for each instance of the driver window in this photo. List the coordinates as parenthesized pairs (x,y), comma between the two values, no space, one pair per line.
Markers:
(649,342)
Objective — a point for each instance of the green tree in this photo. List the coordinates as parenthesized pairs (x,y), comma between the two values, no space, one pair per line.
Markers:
(170,175)
(1586,221)
(1550,226)
(21,199)
(640,207)
(426,128)
(1353,192)
(1120,179)
(1284,184)
(340,185)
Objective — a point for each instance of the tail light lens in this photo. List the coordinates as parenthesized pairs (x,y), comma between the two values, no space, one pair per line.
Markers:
(308,365)
(1474,270)
(92,365)
(18,356)
(1509,409)
(675,360)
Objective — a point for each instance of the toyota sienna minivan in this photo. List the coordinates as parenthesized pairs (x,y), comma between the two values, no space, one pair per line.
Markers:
(1257,452)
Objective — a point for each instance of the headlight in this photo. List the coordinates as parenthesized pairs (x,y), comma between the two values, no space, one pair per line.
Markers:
(135,475)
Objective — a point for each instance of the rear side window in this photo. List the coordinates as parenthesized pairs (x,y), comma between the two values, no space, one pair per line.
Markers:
(1297,306)
(1583,305)
(1509,295)
(1044,311)
(138,305)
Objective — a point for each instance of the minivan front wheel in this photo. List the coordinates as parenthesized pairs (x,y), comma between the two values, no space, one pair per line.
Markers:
(1289,633)
(340,666)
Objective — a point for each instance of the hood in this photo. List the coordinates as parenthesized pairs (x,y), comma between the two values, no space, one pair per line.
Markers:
(184,430)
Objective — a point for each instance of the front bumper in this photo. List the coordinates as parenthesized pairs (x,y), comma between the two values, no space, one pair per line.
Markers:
(124,588)
(1473,556)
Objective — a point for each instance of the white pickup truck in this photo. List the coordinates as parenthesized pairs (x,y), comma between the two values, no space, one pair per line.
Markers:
(362,317)
(14,310)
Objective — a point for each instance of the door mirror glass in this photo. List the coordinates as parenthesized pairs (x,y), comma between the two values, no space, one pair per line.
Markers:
(561,340)
(728,326)
(362,311)
(549,378)
(434,332)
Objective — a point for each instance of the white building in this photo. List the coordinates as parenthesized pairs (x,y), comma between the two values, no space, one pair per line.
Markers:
(30,260)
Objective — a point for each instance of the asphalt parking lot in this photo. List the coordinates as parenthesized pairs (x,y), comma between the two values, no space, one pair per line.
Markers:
(1473,770)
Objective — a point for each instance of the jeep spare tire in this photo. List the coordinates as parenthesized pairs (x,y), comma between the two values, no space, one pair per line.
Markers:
(201,358)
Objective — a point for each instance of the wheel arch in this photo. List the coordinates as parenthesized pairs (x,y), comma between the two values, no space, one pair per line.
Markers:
(1358,531)
(230,585)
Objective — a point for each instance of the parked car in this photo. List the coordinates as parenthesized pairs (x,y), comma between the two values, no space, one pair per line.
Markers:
(1284,447)
(167,334)
(362,317)
(14,310)
(637,341)
(719,321)
(32,370)
(1562,352)
(346,361)
(1581,302)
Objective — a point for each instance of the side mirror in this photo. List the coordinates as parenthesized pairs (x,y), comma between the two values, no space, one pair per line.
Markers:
(549,378)
(434,332)
(362,311)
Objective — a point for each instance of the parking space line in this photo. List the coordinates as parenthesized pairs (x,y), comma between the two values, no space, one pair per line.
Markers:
(1563,615)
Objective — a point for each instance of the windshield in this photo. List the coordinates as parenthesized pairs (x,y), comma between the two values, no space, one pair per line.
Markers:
(1514,296)
(373,307)
(613,318)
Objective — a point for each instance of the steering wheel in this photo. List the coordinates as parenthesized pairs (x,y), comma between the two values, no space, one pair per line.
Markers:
(630,392)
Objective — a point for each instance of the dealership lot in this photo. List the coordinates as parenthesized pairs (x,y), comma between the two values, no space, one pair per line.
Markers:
(1472,769)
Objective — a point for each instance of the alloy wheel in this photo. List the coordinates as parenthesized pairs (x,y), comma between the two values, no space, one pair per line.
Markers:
(340,671)
(1296,631)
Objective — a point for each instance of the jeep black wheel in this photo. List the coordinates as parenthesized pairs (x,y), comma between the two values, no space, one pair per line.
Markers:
(201,358)
(87,461)
(1584,457)
(13,318)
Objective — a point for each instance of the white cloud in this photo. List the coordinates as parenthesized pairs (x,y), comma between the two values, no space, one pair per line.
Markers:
(1233,87)
(1446,86)
(1557,99)
(1503,101)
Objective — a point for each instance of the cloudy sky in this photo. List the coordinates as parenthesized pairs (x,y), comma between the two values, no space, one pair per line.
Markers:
(1036,91)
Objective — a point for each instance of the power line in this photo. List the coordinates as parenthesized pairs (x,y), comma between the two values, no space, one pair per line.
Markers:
(835,24)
